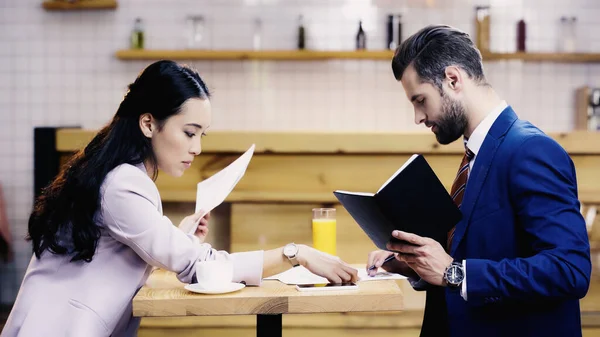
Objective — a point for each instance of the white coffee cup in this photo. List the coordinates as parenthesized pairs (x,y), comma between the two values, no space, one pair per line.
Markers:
(214,273)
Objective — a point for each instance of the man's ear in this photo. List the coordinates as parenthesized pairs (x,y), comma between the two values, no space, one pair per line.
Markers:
(454,78)
(147,124)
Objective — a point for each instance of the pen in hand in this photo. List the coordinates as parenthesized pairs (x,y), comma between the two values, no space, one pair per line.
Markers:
(387,259)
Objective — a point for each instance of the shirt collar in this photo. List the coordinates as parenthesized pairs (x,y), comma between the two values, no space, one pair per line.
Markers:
(478,136)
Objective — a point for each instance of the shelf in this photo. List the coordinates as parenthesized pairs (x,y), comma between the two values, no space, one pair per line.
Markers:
(281,55)
(544,57)
(79,5)
(312,55)
(482,40)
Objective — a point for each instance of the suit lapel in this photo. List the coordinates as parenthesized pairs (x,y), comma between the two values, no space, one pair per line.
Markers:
(480,170)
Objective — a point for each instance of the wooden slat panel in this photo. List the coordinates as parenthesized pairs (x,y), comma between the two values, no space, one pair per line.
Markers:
(312,178)
(304,174)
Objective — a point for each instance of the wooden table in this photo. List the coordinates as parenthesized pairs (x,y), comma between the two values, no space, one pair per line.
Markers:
(163,295)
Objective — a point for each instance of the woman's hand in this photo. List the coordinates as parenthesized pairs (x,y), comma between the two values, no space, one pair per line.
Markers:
(202,227)
(325,265)
(376,258)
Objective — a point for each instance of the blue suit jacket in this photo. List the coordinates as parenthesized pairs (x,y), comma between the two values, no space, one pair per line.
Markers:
(523,238)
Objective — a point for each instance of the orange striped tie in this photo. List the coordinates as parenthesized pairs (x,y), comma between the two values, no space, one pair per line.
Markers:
(459,186)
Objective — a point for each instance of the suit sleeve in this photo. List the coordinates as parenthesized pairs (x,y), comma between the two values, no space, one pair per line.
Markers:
(543,191)
(130,215)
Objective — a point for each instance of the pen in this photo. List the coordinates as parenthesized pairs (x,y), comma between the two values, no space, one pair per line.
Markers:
(387,259)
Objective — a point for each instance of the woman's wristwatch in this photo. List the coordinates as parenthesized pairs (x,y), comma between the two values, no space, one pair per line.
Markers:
(291,252)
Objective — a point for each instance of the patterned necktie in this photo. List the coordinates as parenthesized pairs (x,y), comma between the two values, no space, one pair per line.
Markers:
(459,186)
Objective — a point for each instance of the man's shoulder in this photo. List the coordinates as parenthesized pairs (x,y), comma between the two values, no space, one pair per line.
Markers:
(524,133)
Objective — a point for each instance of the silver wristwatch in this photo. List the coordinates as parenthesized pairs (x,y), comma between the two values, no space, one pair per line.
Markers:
(454,274)
(291,252)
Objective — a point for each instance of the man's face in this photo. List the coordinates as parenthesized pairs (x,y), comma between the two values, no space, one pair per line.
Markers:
(445,115)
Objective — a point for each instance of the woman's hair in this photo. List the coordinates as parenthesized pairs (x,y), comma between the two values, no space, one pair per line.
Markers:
(62,220)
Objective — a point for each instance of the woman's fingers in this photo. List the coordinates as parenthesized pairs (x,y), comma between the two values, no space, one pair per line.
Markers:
(203,229)
(334,278)
(352,272)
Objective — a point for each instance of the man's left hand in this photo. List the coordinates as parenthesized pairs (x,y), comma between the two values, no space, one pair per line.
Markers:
(424,255)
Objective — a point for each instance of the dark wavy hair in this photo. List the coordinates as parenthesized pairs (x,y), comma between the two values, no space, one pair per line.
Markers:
(434,48)
(62,220)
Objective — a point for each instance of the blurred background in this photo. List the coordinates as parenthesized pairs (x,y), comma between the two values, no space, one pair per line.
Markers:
(286,66)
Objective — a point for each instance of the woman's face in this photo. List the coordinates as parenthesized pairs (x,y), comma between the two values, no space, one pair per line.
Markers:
(179,140)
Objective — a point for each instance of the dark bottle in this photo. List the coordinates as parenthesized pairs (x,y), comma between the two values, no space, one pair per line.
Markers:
(521,30)
(361,37)
(399,33)
(391,44)
(301,34)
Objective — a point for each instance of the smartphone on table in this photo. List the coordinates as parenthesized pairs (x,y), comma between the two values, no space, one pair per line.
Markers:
(327,286)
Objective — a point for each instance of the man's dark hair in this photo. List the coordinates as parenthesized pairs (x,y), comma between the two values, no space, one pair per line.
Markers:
(434,48)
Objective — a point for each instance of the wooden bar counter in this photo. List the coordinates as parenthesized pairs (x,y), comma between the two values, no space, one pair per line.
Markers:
(290,174)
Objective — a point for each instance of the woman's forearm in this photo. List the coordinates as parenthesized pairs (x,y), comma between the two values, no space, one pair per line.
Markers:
(275,262)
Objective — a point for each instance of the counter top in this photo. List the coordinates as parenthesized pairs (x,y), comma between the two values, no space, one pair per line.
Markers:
(576,142)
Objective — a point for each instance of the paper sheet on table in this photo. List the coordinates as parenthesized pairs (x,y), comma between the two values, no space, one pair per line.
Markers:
(212,192)
(301,275)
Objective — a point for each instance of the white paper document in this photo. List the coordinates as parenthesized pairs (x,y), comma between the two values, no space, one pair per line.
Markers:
(301,275)
(212,192)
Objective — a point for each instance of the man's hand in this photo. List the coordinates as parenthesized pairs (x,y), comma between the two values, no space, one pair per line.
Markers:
(377,257)
(424,255)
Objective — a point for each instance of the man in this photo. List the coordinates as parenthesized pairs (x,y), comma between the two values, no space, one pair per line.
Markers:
(518,262)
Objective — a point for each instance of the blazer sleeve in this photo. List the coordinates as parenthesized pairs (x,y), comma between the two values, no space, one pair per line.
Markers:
(129,206)
(543,191)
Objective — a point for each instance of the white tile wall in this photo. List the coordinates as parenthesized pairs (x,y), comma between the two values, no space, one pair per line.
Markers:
(58,68)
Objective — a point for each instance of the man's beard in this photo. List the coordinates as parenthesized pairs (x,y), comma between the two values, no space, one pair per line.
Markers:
(453,122)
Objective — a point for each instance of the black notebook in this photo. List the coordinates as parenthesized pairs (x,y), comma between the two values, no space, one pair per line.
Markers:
(412,200)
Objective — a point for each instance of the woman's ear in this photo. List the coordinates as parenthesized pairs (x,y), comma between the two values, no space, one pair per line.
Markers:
(147,124)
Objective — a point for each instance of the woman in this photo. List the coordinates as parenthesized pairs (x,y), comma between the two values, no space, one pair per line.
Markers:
(98,229)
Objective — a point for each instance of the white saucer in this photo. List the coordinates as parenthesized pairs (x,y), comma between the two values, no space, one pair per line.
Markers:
(222,289)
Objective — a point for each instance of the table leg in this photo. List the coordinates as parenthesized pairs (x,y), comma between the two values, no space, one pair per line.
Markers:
(268,325)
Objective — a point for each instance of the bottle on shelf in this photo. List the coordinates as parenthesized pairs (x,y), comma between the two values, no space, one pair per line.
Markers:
(566,35)
(256,39)
(562,32)
(195,32)
(361,38)
(301,33)
(394,31)
(570,35)
(398,25)
(521,31)
(137,35)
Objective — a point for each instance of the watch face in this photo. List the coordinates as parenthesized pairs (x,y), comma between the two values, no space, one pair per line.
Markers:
(455,274)
(290,250)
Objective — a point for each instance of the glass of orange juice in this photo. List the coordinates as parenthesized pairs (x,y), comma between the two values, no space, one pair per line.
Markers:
(324,230)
